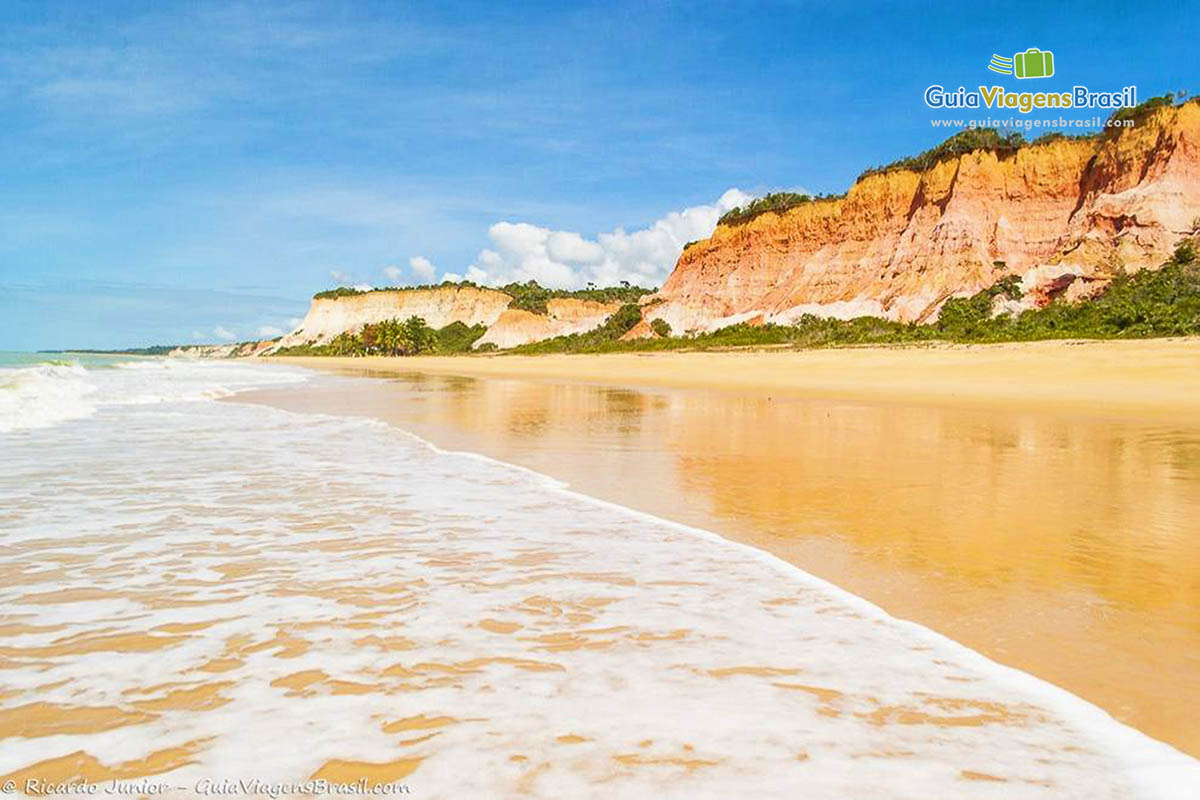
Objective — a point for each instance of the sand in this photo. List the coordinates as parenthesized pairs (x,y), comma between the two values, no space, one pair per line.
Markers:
(1153,378)
(1033,501)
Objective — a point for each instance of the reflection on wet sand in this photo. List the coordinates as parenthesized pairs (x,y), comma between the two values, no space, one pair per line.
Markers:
(1064,545)
(340,602)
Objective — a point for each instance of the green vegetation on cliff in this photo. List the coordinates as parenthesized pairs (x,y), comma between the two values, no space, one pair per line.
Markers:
(394,337)
(777,203)
(1006,144)
(595,340)
(1145,109)
(965,141)
(1150,303)
(961,143)
(528,296)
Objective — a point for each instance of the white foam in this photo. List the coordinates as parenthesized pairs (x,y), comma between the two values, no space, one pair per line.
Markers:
(357,537)
(48,394)
(43,395)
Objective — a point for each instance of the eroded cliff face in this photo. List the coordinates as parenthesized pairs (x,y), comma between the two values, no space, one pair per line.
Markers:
(507,327)
(329,316)
(563,317)
(900,243)
(233,350)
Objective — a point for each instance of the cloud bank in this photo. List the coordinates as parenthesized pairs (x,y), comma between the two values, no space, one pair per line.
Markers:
(566,260)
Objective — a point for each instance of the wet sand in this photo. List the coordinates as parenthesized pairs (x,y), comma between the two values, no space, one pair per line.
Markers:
(1038,504)
(1159,377)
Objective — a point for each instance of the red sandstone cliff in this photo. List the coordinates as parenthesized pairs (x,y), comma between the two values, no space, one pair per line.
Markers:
(901,242)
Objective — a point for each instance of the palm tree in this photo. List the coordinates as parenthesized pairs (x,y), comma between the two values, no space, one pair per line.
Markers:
(370,338)
(419,337)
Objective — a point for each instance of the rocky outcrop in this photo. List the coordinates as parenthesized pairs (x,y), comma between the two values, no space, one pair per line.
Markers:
(563,317)
(900,243)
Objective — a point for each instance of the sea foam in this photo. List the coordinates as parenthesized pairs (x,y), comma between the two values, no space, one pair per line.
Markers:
(43,395)
(279,595)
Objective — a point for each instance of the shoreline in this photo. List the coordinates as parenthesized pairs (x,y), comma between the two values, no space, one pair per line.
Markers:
(844,423)
(1120,735)
(419,598)
(1158,378)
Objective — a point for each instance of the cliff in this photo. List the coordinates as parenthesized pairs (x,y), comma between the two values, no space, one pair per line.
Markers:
(329,316)
(563,316)
(233,350)
(441,306)
(901,242)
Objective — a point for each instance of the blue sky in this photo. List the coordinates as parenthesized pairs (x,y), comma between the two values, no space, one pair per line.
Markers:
(176,172)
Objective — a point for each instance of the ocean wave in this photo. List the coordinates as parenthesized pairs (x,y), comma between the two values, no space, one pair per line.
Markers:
(44,395)
(411,608)
(53,392)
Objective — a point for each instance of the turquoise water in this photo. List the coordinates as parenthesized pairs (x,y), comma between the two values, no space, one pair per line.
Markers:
(12,359)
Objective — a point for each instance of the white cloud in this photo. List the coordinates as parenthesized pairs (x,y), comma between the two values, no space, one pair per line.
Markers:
(474,274)
(393,272)
(422,267)
(224,333)
(362,287)
(198,336)
(269,332)
(564,259)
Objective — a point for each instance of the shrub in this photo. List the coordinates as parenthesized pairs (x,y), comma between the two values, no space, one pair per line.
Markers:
(777,202)
(1162,302)
(341,291)
(457,337)
(596,339)
(391,337)
(531,296)
(1141,110)
(961,143)
(1009,286)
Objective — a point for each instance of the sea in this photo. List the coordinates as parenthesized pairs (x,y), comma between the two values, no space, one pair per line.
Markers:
(205,597)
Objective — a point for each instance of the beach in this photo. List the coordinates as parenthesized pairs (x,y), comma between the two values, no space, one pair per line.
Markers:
(1155,377)
(230,574)
(599,401)
(1033,501)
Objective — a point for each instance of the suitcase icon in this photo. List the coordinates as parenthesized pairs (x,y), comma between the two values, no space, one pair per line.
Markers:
(1033,63)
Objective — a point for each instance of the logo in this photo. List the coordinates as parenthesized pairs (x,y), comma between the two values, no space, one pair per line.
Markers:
(1033,63)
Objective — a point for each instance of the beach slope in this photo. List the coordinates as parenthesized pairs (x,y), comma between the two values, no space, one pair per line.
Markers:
(1152,378)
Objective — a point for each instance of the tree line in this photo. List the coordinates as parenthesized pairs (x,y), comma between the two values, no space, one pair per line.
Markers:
(392,337)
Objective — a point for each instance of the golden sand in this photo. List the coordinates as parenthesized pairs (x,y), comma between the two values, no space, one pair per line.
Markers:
(1036,502)
(81,766)
(344,772)
(1156,376)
